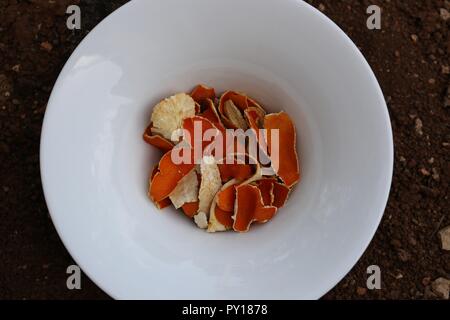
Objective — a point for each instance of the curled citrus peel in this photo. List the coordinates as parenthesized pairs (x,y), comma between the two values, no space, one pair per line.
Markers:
(220,219)
(156,140)
(167,177)
(273,192)
(249,208)
(190,209)
(287,162)
(168,115)
(164,203)
(231,106)
(209,185)
(202,93)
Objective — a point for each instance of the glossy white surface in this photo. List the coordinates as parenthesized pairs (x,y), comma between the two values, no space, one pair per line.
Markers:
(285,54)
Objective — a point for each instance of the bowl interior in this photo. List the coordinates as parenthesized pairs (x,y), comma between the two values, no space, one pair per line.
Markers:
(95,164)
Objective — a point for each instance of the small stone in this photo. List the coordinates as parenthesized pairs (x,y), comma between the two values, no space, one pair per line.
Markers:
(322,7)
(441,287)
(16,68)
(444,235)
(419,126)
(424,172)
(426,281)
(431,81)
(403,255)
(360,291)
(445,15)
(414,38)
(435,174)
(397,53)
(402,159)
(431,160)
(7,94)
(47,46)
(445,69)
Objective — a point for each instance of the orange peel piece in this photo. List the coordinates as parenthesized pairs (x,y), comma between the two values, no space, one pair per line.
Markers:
(203,92)
(237,171)
(280,194)
(163,203)
(210,113)
(234,115)
(186,190)
(226,197)
(266,186)
(167,177)
(156,140)
(209,185)
(190,209)
(168,115)
(288,167)
(221,220)
(249,208)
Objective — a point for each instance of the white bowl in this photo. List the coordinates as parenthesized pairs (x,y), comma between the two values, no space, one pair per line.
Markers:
(285,54)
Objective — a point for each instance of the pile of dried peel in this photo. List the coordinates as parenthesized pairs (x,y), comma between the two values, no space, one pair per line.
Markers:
(217,195)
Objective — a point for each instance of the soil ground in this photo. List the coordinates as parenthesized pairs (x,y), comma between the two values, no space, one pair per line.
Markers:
(410,57)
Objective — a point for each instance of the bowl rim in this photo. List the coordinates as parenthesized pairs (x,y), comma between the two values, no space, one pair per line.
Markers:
(312,10)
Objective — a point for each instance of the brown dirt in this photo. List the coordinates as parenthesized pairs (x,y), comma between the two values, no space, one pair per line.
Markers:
(410,58)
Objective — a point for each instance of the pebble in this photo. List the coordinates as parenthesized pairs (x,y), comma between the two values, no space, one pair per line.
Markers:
(360,291)
(426,281)
(419,126)
(414,38)
(403,255)
(445,69)
(47,46)
(16,68)
(441,287)
(322,7)
(445,15)
(444,235)
(435,174)
(424,172)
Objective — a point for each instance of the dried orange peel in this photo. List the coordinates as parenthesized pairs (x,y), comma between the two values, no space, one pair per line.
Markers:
(287,163)
(249,207)
(156,140)
(219,195)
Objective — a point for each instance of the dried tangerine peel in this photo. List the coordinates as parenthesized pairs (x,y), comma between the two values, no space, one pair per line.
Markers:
(190,209)
(220,220)
(202,92)
(288,167)
(280,194)
(168,115)
(266,186)
(234,116)
(226,197)
(157,140)
(237,171)
(186,190)
(249,207)
(190,124)
(167,177)
(209,185)
(159,204)
(210,113)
